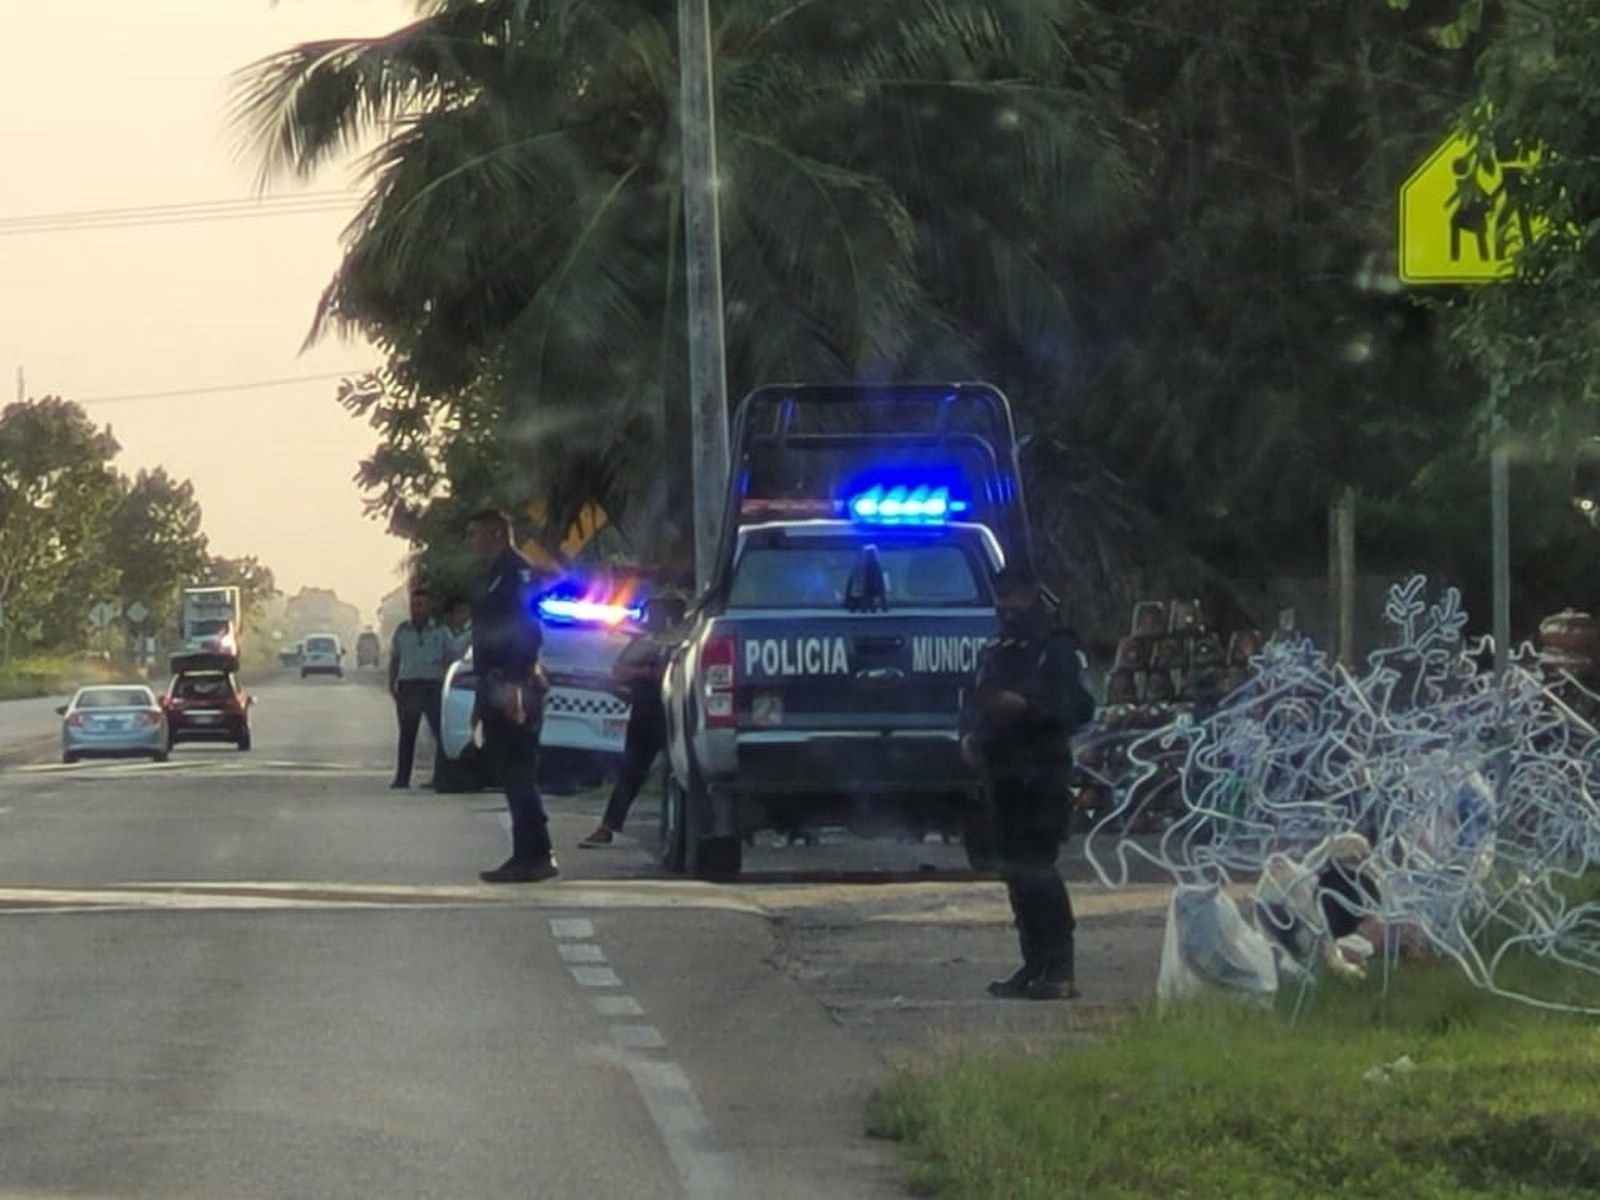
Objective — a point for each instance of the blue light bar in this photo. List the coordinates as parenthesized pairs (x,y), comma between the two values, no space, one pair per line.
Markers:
(905,506)
(575,611)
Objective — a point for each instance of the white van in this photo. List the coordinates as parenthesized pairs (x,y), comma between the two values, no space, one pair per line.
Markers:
(321,654)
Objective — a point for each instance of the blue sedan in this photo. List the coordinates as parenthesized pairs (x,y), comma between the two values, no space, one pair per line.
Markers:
(113,721)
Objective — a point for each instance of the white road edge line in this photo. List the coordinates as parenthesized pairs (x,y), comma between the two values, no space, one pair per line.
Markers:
(664,1087)
(669,1098)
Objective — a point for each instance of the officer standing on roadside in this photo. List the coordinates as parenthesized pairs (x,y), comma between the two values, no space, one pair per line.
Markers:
(638,669)
(416,668)
(506,640)
(458,626)
(1026,702)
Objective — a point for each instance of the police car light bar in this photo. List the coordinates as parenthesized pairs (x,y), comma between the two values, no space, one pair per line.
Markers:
(786,508)
(570,610)
(905,506)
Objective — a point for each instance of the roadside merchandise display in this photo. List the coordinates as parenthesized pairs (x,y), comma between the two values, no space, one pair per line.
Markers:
(1171,669)
(1462,805)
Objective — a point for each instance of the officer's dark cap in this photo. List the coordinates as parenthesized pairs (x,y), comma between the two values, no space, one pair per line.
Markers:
(492,518)
(1014,581)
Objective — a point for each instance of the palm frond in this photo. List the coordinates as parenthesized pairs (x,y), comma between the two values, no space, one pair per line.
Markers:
(837,241)
(301,107)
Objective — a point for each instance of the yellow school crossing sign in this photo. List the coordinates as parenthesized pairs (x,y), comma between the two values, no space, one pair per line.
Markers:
(1463,216)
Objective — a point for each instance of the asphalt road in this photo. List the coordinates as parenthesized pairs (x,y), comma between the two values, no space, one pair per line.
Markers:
(266,974)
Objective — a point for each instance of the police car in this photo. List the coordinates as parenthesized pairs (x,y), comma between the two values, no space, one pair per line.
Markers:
(820,678)
(585,721)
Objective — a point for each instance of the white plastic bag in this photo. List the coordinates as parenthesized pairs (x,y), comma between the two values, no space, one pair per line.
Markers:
(1209,946)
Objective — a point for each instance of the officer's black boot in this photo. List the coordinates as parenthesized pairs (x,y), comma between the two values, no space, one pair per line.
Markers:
(1015,986)
(1056,981)
(532,859)
(1057,954)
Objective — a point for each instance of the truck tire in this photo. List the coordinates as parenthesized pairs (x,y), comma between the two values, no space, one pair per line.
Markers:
(454,775)
(714,859)
(674,813)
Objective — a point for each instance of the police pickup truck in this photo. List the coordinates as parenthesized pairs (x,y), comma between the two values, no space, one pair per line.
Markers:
(819,679)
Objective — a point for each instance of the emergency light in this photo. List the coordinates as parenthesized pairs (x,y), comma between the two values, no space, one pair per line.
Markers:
(575,610)
(904,505)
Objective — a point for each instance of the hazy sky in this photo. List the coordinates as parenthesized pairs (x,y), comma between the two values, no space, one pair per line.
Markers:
(118,104)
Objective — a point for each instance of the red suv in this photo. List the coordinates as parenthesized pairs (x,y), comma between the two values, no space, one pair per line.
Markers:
(207,706)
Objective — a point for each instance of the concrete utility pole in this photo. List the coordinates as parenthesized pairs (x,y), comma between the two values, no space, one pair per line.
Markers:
(708,380)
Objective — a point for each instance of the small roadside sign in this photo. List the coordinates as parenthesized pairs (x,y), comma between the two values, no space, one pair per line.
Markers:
(1463,215)
(136,613)
(102,614)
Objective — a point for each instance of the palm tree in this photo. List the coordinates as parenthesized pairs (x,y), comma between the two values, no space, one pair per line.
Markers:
(902,188)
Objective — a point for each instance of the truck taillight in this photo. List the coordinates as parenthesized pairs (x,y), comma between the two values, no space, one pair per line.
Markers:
(716,679)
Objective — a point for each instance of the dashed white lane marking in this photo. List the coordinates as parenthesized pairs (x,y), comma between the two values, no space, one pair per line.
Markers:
(668,1095)
(596,977)
(638,1037)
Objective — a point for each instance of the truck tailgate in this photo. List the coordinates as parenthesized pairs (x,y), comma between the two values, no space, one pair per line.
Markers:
(828,672)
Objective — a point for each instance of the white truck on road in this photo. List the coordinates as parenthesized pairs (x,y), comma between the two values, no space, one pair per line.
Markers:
(210,620)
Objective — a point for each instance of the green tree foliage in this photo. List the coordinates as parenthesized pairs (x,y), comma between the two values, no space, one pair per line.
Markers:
(901,187)
(1260,362)
(1533,339)
(1166,227)
(57,493)
(75,532)
(253,579)
(318,610)
(156,543)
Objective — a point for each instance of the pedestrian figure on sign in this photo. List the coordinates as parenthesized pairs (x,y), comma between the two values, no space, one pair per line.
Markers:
(1471,206)
(1512,211)
(1026,701)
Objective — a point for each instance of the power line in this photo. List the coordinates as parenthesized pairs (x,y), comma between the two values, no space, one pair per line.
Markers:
(253,385)
(186,213)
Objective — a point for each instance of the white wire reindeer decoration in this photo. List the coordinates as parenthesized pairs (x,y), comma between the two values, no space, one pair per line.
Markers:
(1472,801)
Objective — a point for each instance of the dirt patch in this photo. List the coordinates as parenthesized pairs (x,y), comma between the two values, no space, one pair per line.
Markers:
(906,967)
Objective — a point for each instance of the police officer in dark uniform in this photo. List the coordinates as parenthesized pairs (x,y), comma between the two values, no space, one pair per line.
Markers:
(639,669)
(1026,701)
(506,639)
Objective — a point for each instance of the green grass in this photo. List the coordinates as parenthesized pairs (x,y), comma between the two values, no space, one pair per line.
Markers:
(62,674)
(1225,1101)
(49,675)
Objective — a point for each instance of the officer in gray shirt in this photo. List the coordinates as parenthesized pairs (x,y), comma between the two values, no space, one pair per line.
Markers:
(418,654)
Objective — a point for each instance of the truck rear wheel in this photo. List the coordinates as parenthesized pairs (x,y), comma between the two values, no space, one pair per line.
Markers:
(674,812)
(715,859)
(685,812)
